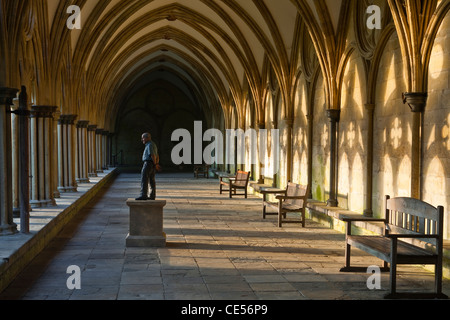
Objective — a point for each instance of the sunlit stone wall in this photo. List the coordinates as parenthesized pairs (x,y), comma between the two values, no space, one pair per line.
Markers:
(300,136)
(392,133)
(392,130)
(436,145)
(321,145)
(352,137)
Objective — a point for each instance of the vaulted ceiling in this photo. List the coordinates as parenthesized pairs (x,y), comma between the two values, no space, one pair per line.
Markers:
(221,50)
(224,52)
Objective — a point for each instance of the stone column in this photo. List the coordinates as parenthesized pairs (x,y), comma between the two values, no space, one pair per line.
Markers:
(82,152)
(98,141)
(368,212)
(289,127)
(24,161)
(105,150)
(55,157)
(41,150)
(7,225)
(334,117)
(92,151)
(417,102)
(15,157)
(71,183)
(261,142)
(310,120)
(110,150)
(61,160)
(66,167)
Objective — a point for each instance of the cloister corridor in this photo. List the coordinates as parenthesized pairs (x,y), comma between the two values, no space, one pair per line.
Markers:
(217,249)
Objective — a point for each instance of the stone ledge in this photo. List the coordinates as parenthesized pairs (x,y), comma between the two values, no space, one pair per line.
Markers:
(17,251)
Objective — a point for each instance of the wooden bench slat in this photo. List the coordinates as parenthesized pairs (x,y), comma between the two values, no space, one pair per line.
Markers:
(412,206)
(383,245)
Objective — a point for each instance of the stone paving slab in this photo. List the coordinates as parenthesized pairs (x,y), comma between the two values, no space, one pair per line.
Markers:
(217,249)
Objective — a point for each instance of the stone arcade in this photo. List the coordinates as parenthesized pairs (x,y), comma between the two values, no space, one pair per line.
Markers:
(358,91)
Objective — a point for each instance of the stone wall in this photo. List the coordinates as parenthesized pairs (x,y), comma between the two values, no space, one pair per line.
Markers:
(392,132)
(436,145)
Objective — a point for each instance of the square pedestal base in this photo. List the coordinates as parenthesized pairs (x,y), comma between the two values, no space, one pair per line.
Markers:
(146,241)
(146,224)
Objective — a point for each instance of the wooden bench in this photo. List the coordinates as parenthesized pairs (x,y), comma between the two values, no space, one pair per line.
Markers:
(415,222)
(240,181)
(201,170)
(291,200)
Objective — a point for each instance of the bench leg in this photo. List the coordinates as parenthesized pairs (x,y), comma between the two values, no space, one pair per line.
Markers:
(393,275)
(280,213)
(438,279)
(393,279)
(349,268)
(303,218)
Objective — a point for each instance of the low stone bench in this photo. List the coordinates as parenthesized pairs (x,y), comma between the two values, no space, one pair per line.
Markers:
(146,224)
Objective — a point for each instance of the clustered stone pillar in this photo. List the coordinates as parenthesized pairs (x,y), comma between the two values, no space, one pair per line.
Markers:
(15,157)
(290,128)
(82,175)
(110,150)
(92,171)
(98,150)
(41,138)
(310,120)
(105,137)
(368,211)
(417,102)
(7,225)
(261,142)
(334,117)
(66,168)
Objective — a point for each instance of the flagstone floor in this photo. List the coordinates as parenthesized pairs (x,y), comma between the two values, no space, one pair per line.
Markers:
(217,249)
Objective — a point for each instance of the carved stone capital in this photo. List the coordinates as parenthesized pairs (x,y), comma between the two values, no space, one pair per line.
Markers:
(82,124)
(7,95)
(415,100)
(334,115)
(43,111)
(289,122)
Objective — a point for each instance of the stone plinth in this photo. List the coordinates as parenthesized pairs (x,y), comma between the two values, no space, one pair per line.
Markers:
(146,224)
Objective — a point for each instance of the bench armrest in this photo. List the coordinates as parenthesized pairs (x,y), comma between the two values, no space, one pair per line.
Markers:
(273,191)
(412,236)
(354,219)
(291,197)
(225,177)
